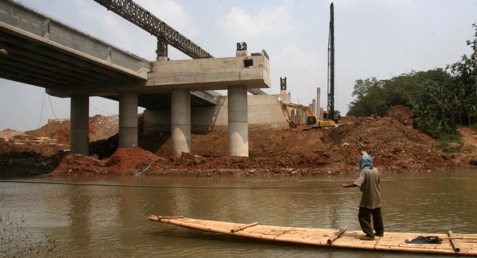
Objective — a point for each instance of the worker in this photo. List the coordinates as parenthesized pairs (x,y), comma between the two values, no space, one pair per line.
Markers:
(370,205)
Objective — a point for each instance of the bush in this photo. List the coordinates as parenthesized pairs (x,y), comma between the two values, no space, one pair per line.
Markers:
(450,143)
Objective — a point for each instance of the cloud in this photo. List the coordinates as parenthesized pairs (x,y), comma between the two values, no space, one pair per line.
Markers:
(305,71)
(351,4)
(272,21)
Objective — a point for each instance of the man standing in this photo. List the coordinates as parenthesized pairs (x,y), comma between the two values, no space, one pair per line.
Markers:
(370,205)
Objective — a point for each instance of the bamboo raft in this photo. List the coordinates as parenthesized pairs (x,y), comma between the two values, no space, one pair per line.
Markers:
(452,244)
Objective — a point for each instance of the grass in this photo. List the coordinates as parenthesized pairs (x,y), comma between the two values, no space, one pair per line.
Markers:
(450,143)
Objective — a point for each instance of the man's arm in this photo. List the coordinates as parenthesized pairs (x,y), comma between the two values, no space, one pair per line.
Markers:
(348,185)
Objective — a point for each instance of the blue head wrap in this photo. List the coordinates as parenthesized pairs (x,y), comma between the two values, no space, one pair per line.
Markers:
(366,161)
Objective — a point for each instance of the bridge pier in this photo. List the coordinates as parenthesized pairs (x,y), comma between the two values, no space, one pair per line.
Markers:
(79,124)
(128,122)
(238,121)
(180,121)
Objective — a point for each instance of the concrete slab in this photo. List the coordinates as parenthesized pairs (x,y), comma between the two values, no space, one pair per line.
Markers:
(211,73)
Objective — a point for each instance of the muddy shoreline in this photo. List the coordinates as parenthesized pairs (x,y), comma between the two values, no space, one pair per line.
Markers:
(395,146)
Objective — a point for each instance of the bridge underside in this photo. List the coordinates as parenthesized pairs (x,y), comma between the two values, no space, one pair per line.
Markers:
(40,51)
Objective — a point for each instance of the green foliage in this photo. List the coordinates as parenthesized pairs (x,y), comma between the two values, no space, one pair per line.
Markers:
(441,99)
(370,99)
(450,143)
(375,97)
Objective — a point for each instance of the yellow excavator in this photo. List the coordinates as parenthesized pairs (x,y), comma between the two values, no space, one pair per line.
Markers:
(311,120)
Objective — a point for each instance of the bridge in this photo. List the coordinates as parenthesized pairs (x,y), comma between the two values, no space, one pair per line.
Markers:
(37,50)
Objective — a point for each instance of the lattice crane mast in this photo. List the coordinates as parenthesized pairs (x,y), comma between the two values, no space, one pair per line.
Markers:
(165,34)
(331,66)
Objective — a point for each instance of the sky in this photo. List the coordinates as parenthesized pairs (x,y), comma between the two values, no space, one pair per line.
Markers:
(373,38)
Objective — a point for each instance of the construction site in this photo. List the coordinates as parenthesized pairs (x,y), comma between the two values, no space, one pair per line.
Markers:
(273,151)
(188,130)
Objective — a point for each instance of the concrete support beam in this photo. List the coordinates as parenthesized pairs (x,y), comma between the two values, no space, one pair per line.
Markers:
(128,119)
(79,125)
(318,104)
(238,121)
(180,122)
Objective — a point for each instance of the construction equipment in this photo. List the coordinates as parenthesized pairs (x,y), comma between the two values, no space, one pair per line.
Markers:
(312,121)
(331,65)
(333,114)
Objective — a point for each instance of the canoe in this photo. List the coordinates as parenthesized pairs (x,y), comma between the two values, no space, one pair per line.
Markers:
(451,243)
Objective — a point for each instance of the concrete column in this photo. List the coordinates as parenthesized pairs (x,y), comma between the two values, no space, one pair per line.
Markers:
(180,122)
(79,125)
(318,103)
(128,119)
(238,121)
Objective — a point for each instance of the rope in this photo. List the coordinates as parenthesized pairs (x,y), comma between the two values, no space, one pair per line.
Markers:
(161,186)
(41,110)
(52,109)
(186,186)
(100,110)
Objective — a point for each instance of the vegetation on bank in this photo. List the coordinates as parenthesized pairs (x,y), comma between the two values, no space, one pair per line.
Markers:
(441,99)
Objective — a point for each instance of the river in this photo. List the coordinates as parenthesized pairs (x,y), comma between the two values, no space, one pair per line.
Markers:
(107,216)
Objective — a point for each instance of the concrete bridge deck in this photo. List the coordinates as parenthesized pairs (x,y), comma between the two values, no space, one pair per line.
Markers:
(40,51)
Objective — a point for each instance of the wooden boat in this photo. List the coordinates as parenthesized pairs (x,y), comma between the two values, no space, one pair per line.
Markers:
(452,244)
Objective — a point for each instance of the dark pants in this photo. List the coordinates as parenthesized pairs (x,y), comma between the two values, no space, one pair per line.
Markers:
(364,217)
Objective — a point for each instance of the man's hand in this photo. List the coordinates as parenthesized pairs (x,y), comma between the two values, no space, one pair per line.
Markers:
(344,185)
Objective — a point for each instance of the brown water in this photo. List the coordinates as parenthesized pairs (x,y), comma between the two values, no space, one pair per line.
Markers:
(107,217)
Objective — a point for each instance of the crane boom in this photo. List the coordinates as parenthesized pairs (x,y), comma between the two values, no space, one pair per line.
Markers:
(331,66)
(134,13)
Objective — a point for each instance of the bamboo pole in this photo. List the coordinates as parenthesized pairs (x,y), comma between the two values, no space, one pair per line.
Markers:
(240,228)
(453,242)
(336,235)
(158,218)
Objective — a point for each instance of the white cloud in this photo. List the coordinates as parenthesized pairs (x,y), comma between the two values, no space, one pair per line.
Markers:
(305,71)
(272,21)
(350,4)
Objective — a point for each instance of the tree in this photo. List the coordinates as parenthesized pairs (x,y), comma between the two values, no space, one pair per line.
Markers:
(369,98)
(441,98)
(465,73)
(375,97)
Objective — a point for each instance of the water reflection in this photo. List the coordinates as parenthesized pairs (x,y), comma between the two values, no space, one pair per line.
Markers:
(93,217)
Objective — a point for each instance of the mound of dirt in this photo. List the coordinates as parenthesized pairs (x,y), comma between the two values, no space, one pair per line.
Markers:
(100,128)
(394,146)
(39,151)
(128,160)
(402,114)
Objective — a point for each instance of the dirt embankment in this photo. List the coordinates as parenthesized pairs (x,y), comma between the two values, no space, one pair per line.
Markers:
(394,145)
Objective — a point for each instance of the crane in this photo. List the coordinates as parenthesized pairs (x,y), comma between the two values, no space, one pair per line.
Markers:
(333,114)
(166,35)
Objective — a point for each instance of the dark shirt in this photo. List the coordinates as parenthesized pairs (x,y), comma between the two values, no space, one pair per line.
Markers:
(368,182)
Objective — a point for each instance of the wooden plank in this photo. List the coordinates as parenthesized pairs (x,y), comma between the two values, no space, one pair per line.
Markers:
(391,241)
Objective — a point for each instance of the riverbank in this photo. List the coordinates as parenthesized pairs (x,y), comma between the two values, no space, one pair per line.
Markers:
(396,147)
